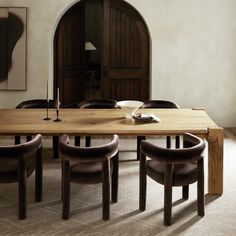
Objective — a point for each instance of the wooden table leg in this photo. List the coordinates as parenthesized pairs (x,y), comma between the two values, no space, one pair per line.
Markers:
(215,160)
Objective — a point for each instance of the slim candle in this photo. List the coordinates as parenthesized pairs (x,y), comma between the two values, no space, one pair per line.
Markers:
(47,91)
(58,101)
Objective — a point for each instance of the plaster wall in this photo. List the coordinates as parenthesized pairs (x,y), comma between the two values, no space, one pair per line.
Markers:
(193,52)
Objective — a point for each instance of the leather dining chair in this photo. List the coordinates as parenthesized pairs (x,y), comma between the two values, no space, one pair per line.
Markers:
(173,167)
(37,104)
(17,162)
(90,165)
(163,105)
(102,103)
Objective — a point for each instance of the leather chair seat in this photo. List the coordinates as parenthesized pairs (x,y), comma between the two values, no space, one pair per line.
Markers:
(87,173)
(183,174)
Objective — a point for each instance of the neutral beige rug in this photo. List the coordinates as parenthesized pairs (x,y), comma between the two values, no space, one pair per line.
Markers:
(86,214)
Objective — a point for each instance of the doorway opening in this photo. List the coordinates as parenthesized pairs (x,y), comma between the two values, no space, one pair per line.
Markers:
(101,50)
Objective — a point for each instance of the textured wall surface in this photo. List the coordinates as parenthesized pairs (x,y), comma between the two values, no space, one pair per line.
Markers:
(193,46)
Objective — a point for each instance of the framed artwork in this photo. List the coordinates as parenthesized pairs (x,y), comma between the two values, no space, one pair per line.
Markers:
(13,48)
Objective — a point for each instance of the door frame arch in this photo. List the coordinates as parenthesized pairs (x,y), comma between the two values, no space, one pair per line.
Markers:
(52,85)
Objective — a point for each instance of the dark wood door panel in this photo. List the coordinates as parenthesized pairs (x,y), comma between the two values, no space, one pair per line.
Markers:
(125,52)
(125,43)
(72,85)
(122,89)
(122,73)
(70,54)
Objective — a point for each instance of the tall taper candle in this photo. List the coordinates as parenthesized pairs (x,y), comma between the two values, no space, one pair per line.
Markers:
(58,101)
(47,92)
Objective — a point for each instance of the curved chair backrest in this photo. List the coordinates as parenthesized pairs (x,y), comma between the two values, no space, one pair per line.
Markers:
(159,104)
(12,155)
(70,105)
(98,103)
(36,103)
(174,156)
(88,154)
(21,150)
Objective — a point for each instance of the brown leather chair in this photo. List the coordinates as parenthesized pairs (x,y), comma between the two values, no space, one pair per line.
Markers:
(90,165)
(94,104)
(17,162)
(163,105)
(34,104)
(173,167)
(70,105)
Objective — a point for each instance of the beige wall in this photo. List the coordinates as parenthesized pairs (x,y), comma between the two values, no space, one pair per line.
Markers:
(193,52)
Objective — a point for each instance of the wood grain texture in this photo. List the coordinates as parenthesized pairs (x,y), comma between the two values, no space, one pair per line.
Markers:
(112,121)
(215,160)
(69,55)
(103,121)
(125,60)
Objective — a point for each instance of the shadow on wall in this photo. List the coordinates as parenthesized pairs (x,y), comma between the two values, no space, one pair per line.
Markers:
(11,30)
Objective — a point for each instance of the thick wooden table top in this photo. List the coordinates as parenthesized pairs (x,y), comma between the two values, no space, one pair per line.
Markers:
(102,121)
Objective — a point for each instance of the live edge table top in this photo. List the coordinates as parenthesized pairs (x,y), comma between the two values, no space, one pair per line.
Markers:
(103,121)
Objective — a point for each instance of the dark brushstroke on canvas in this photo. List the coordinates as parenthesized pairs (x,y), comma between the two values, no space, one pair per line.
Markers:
(11,29)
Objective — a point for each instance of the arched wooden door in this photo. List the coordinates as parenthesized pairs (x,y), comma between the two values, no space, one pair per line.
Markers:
(125,61)
(125,53)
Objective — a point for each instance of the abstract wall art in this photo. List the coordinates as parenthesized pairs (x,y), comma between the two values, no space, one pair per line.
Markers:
(13,48)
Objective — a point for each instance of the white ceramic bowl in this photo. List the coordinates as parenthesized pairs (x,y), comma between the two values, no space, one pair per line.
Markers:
(129,107)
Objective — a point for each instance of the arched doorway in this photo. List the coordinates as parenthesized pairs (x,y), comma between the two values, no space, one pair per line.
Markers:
(118,68)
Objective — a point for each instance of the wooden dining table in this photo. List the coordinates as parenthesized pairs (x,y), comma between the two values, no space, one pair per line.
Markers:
(113,121)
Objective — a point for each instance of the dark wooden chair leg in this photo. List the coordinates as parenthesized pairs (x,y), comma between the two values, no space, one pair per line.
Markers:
(142,183)
(106,190)
(62,179)
(200,188)
(55,143)
(185,192)
(177,141)
(17,140)
(28,138)
(66,190)
(87,141)
(77,140)
(115,178)
(139,139)
(38,176)
(168,194)
(168,141)
(22,189)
